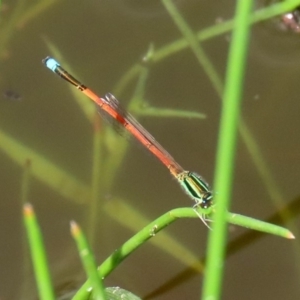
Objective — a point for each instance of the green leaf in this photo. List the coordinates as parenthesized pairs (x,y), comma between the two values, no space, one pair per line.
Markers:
(117,293)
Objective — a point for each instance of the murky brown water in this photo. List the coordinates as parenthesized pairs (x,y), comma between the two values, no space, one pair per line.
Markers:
(101,41)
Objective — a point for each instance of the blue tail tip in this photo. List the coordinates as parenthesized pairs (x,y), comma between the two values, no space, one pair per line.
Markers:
(50,63)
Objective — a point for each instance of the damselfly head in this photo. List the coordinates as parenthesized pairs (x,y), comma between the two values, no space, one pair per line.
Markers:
(206,200)
(196,187)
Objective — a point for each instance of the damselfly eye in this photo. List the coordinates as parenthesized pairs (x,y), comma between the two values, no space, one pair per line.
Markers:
(206,201)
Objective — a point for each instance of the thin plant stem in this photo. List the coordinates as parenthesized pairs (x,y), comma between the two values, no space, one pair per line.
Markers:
(23,13)
(152,229)
(195,45)
(38,255)
(88,262)
(226,150)
(206,34)
(8,31)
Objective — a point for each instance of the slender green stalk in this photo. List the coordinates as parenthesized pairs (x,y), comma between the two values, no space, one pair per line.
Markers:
(23,13)
(133,243)
(255,224)
(264,171)
(226,149)
(160,112)
(140,107)
(38,255)
(260,163)
(194,44)
(88,262)
(140,88)
(9,29)
(126,79)
(206,34)
(143,235)
(160,223)
(36,10)
(224,27)
(130,218)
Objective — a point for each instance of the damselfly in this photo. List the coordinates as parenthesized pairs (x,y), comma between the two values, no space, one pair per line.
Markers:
(192,183)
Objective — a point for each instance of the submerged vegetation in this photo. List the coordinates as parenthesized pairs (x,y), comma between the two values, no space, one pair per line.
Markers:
(109,152)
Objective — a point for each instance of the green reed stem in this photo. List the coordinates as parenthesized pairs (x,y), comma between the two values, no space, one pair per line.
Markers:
(206,34)
(226,149)
(88,262)
(192,41)
(160,223)
(38,254)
